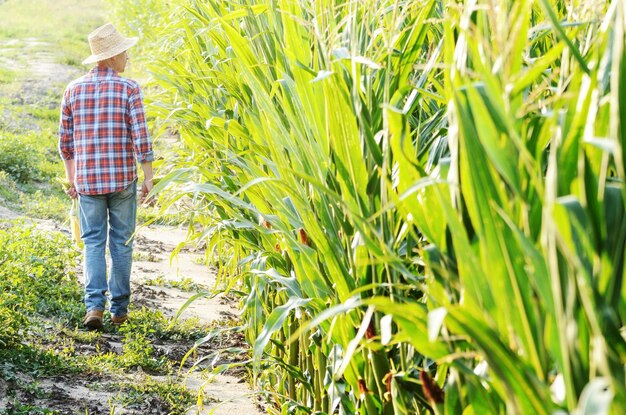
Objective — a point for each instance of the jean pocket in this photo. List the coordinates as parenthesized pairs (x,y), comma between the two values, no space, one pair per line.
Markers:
(130,190)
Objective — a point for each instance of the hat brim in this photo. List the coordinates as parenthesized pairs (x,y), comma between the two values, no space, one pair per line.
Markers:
(119,48)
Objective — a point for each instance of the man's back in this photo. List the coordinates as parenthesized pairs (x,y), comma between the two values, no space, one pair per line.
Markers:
(103,127)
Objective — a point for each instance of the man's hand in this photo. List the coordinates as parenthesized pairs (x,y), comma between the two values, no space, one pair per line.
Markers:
(71,191)
(146,187)
(68,184)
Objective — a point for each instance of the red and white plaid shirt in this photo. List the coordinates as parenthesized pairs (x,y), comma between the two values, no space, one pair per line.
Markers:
(103,128)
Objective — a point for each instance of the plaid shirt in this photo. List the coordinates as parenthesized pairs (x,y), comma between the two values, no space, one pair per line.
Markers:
(103,128)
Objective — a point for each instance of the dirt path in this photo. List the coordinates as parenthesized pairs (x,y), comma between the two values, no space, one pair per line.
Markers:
(158,243)
(156,284)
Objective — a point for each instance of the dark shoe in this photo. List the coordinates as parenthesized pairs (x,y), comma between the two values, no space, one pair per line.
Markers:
(119,320)
(93,319)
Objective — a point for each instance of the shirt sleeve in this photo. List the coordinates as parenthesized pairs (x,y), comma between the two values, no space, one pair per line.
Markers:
(66,128)
(139,127)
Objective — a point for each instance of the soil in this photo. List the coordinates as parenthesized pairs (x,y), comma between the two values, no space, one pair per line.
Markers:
(228,393)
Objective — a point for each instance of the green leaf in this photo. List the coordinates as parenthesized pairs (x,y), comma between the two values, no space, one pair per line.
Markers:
(534,73)
(547,7)
(274,323)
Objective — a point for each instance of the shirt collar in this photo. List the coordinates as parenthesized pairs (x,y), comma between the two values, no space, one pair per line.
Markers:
(97,70)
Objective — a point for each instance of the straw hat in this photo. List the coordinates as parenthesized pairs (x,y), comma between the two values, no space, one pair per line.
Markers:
(106,42)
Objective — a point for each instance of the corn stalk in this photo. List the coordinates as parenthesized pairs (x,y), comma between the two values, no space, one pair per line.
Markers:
(421,202)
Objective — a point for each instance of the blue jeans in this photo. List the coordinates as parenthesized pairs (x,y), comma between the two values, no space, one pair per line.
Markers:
(115,213)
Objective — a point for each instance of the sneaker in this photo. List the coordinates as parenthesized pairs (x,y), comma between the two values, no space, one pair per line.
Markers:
(93,319)
(119,320)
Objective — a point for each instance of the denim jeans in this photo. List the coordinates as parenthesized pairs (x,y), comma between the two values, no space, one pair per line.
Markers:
(115,214)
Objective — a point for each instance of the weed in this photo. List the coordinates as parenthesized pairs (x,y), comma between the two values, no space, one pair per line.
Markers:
(17,408)
(8,187)
(184,284)
(36,276)
(139,351)
(27,157)
(12,322)
(46,204)
(35,362)
(173,397)
(18,159)
(7,75)
(80,336)
(156,325)
(45,113)
(144,329)
(144,256)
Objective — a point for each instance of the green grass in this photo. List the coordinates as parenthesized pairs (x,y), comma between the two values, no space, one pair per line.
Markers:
(8,188)
(49,115)
(29,161)
(63,24)
(19,158)
(29,166)
(41,340)
(19,105)
(49,203)
(7,75)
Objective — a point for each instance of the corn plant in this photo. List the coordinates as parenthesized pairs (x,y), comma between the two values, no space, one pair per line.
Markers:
(421,202)
(527,249)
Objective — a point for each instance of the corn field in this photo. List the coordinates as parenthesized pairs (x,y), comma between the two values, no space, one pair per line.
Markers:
(420,202)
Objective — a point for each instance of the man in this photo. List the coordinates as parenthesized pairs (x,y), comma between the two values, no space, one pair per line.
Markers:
(102,135)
